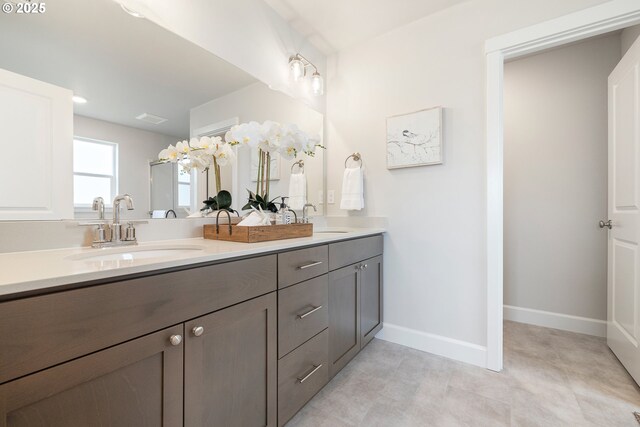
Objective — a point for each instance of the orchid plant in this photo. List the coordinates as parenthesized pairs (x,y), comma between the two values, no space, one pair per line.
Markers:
(203,154)
(270,138)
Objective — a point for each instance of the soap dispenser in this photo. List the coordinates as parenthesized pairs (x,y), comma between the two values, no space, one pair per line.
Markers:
(283,216)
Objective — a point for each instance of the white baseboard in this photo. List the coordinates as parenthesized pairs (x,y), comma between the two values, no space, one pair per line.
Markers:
(565,322)
(442,346)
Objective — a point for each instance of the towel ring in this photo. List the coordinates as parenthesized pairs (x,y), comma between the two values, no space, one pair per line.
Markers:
(356,156)
(300,164)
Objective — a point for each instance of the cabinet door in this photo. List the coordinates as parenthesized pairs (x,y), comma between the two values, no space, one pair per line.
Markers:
(37,117)
(230,366)
(370,299)
(138,383)
(344,316)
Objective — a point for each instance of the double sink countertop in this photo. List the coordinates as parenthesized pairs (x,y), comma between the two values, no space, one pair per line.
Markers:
(33,272)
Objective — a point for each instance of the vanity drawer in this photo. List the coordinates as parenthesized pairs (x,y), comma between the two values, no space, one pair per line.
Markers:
(303,264)
(302,312)
(352,251)
(42,331)
(301,374)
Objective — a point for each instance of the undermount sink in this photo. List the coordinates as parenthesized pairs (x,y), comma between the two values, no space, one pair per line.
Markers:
(132,253)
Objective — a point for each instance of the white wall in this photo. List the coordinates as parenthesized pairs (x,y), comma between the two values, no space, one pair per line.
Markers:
(435,286)
(628,36)
(247,33)
(555,181)
(257,102)
(136,148)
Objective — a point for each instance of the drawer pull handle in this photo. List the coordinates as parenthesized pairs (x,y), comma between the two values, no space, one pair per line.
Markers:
(313,264)
(175,339)
(306,377)
(313,310)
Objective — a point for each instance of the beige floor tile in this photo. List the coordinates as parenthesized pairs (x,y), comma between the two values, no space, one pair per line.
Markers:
(550,378)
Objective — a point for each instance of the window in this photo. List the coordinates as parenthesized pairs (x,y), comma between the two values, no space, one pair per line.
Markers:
(184,187)
(95,171)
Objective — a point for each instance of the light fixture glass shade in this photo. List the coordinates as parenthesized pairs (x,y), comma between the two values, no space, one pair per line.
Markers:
(79,99)
(317,84)
(296,69)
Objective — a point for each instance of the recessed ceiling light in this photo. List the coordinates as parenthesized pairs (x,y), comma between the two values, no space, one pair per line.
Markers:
(79,100)
(131,11)
(150,118)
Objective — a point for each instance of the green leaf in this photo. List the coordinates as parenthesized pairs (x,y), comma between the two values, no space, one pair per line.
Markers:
(224,199)
(272,207)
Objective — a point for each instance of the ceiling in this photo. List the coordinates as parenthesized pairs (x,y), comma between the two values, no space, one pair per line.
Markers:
(124,66)
(333,25)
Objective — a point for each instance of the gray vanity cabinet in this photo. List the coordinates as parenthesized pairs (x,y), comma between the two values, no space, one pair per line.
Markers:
(230,366)
(355,298)
(238,343)
(137,383)
(370,299)
(344,316)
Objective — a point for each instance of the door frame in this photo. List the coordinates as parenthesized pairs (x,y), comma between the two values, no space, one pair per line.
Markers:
(610,16)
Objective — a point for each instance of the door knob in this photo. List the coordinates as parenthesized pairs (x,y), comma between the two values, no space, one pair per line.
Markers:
(175,339)
(604,224)
(197,331)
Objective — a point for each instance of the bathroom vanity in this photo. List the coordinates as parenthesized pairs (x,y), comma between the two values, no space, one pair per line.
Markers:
(245,338)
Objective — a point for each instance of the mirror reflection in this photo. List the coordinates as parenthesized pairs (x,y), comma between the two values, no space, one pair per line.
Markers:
(139,88)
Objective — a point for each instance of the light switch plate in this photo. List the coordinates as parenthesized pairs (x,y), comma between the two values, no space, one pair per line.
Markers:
(331,197)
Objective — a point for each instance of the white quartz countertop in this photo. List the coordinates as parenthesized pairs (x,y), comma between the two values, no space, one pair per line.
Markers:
(23,273)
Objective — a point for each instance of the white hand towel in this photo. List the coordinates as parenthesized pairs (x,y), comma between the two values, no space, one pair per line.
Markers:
(297,191)
(352,190)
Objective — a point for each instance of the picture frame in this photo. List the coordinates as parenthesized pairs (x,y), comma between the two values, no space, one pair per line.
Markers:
(415,139)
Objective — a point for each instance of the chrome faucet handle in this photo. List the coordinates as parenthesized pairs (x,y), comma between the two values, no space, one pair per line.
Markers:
(98,205)
(129,233)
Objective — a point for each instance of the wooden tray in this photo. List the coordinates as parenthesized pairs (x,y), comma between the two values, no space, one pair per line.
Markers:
(257,234)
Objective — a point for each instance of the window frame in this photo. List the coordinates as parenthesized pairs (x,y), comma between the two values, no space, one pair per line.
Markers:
(83,207)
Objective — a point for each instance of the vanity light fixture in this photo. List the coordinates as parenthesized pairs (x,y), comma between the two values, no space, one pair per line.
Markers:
(78,99)
(298,70)
(317,84)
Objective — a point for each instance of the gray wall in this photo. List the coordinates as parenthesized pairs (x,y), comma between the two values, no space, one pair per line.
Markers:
(628,36)
(555,162)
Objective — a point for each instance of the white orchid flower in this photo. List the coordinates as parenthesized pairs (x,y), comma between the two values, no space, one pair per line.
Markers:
(272,133)
(183,147)
(224,154)
(169,154)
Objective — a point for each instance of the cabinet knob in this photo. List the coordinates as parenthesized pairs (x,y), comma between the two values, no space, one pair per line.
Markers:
(197,330)
(175,339)
(365,266)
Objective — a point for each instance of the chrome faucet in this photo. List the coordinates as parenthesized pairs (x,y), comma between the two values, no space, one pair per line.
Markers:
(305,216)
(116,233)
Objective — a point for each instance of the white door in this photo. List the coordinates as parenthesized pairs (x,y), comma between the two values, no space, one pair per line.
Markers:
(36,139)
(623,329)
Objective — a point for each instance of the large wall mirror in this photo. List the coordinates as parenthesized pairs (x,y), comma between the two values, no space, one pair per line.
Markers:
(139,88)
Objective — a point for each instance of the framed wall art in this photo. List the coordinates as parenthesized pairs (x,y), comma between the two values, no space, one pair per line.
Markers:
(415,139)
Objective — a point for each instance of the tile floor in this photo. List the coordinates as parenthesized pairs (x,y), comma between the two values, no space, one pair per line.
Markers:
(550,378)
